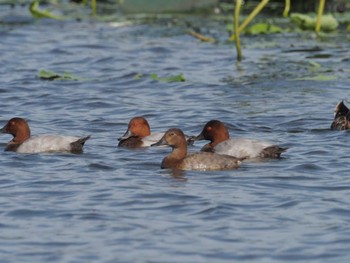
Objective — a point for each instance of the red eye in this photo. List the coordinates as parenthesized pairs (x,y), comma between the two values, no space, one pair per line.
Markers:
(209,128)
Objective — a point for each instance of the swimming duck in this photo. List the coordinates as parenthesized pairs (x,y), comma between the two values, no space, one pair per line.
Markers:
(22,142)
(204,161)
(216,132)
(341,117)
(139,134)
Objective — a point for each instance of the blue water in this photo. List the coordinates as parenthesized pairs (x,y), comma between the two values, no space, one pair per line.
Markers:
(116,205)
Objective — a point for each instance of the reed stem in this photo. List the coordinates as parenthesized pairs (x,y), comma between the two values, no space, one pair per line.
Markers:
(93,7)
(236,28)
(253,14)
(286,8)
(319,15)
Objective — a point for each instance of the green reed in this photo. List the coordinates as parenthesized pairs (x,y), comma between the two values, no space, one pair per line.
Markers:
(239,28)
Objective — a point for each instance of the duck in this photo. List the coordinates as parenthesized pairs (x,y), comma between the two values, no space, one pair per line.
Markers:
(138,134)
(22,141)
(217,133)
(200,161)
(341,117)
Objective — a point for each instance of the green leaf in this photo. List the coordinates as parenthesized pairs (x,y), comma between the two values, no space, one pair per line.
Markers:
(50,75)
(37,13)
(176,78)
(315,67)
(138,76)
(318,78)
(314,64)
(328,22)
(263,28)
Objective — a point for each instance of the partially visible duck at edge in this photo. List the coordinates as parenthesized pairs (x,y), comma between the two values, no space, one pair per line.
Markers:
(203,161)
(341,117)
(22,142)
(217,133)
(139,135)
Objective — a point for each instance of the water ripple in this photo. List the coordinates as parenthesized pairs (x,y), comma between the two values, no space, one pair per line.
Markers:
(112,204)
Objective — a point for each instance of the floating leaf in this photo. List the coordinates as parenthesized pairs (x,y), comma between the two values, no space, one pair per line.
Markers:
(318,78)
(50,75)
(314,64)
(315,67)
(176,78)
(328,22)
(263,28)
(37,13)
(138,76)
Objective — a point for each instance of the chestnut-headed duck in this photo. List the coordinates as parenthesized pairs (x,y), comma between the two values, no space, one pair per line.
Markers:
(22,142)
(139,135)
(217,133)
(341,117)
(203,161)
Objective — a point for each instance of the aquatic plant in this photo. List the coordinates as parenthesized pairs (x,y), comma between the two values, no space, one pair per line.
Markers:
(50,75)
(306,22)
(286,8)
(201,37)
(236,28)
(239,28)
(263,28)
(319,77)
(38,13)
(175,78)
(93,7)
(319,15)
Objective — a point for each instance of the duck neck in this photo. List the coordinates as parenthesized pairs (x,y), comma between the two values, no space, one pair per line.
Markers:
(178,153)
(21,136)
(220,137)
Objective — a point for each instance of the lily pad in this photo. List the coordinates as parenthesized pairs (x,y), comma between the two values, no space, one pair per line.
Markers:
(138,76)
(318,78)
(263,28)
(50,75)
(38,13)
(176,78)
(328,22)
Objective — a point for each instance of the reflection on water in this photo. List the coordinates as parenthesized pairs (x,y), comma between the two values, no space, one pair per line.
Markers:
(116,205)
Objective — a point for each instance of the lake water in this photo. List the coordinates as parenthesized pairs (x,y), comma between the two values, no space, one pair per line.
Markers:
(116,205)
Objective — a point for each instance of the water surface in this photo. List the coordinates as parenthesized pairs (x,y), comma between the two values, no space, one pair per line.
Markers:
(116,205)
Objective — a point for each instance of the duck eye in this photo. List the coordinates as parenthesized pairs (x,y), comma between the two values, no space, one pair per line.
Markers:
(209,128)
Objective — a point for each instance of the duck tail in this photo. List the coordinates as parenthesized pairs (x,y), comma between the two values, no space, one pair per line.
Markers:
(341,110)
(273,151)
(341,117)
(77,146)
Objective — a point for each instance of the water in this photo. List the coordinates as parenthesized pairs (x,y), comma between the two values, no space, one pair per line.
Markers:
(117,205)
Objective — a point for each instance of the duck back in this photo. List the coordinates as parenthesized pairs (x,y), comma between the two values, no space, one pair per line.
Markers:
(204,161)
(52,143)
(243,148)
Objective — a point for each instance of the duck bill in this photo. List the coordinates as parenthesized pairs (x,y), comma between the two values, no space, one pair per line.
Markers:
(3,130)
(160,143)
(200,137)
(126,135)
